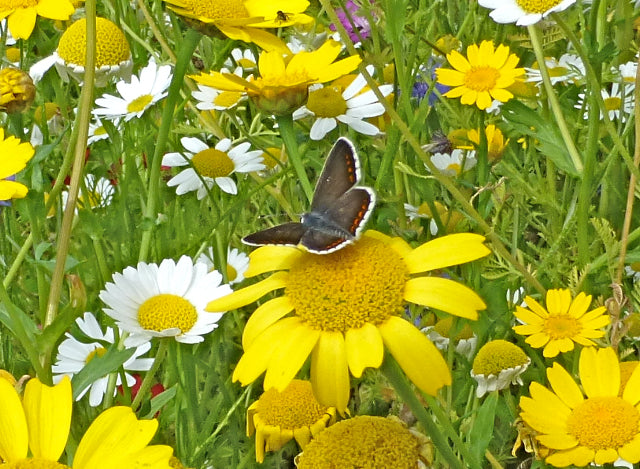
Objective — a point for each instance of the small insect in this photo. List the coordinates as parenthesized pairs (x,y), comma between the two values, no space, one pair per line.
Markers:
(282,17)
(339,209)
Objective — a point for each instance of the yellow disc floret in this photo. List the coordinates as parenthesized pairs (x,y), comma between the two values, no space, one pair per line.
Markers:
(295,407)
(362,441)
(496,356)
(167,311)
(362,283)
(212,163)
(327,102)
(537,6)
(604,422)
(112,47)
(34,463)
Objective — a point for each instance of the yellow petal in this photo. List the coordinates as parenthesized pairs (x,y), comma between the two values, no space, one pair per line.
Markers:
(222,81)
(113,437)
(631,391)
(21,22)
(528,329)
(417,356)
(12,190)
(631,451)
(364,348)
(249,294)
(271,64)
(289,357)
(558,441)
(256,358)
(578,456)
(152,457)
(450,77)
(599,372)
(445,295)
(446,251)
(55,9)
(48,412)
(14,435)
(605,456)
(483,101)
(558,301)
(457,61)
(338,69)
(555,346)
(271,258)
(527,316)
(536,307)
(536,340)
(564,386)
(580,305)
(264,39)
(329,371)
(263,317)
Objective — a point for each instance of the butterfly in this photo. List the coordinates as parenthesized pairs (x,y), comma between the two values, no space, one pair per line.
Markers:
(339,209)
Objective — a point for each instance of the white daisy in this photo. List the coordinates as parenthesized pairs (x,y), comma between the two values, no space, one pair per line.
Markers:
(211,98)
(633,270)
(237,264)
(73,356)
(211,166)
(421,211)
(628,74)
(98,194)
(97,131)
(242,58)
(494,108)
(454,163)
(164,301)
(137,96)
(617,106)
(464,346)
(330,104)
(523,13)
(568,69)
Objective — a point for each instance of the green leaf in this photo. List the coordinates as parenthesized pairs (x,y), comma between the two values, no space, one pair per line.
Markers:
(482,431)
(99,367)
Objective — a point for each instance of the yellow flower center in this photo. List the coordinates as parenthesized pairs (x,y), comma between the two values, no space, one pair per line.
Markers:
(362,441)
(212,163)
(112,47)
(455,167)
(216,9)
(16,4)
(481,78)
(604,422)
(496,356)
(34,463)
(166,311)
(232,273)
(537,6)
(613,103)
(100,131)
(559,327)
(140,103)
(50,110)
(443,327)
(327,102)
(559,71)
(12,54)
(295,407)
(363,282)
(100,351)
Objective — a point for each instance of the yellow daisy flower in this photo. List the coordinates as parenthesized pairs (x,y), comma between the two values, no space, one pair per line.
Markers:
(243,20)
(496,143)
(38,425)
(21,14)
(17,91)
(564,322)
(347,307)
(481,77)
(367,441)
(282,85)
(596,429)
(14,156)
(279,417)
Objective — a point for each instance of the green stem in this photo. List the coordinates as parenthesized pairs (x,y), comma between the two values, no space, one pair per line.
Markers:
(553,100)
(17,262)
(399,382)
(82,125)
(188,46)
(285,125)
(446,181)
(148,378)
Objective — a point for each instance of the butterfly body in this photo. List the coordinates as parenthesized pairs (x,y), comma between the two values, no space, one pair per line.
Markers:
(339,209)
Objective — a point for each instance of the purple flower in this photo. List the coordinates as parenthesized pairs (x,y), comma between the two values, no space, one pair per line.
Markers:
(360,29)
(422,86)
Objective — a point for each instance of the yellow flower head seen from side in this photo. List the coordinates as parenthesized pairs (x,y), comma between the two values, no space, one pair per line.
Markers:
(244,20)
(278,417)
(17,91)
(366,441)
(283,82)
(482,76)
(14,156)
(21,14)
(564,322)
(347,307)
(496,143)
(594,424)
(35,431)
(497,365)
